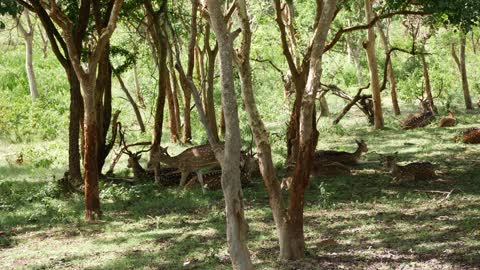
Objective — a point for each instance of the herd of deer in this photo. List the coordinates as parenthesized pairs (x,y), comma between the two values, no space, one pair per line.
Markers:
(190,163)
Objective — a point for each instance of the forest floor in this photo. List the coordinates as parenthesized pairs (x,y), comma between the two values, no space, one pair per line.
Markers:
(364,221)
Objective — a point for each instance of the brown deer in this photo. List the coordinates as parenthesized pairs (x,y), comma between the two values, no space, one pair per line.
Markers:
(471,136)
(413,171)
(448,121)
(191,160)
(345,158)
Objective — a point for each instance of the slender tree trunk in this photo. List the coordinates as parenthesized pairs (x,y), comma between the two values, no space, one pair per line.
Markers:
(138,90)
(28,38)
(132,102)
(390,71)
(428,86)
(237,227)
(372,63)
(463,71)
(32,83)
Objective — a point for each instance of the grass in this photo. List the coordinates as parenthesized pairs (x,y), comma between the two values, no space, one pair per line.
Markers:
(358,222)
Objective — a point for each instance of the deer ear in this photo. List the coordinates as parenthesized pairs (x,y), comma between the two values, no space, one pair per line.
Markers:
(395,154)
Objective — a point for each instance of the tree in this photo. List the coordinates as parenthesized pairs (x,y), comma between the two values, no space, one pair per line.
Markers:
(27,32)
(155,28)
(89,81)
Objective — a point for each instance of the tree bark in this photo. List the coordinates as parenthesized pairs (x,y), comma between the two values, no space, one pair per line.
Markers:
(372,63)
(90,162)
(237,227)
(391,73)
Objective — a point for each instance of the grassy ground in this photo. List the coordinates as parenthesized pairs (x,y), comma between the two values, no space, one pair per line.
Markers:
(359,222)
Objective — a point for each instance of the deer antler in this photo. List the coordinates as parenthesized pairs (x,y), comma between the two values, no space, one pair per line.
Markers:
(126,146)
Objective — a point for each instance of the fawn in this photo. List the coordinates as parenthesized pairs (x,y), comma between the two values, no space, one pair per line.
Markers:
(345,158)
(412,171)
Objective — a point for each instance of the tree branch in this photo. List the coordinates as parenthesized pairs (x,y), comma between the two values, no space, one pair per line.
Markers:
(342,31)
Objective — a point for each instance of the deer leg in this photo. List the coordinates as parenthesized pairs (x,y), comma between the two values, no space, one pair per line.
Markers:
(200,179)
(184,178)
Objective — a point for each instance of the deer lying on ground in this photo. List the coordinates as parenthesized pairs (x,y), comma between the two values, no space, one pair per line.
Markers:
(447,121)
(471,136)
(413,171)
(345,158)
(420,119)
(330,169)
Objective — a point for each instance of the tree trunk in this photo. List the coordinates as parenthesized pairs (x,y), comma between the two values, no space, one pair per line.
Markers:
(92,199)
(372,64)
(32,83)
(391,73)
(76,114)
(237,227)
(210,100)
(428,87)
(260,134)
(156,32)
(324,110)
(463,71)
(172,123)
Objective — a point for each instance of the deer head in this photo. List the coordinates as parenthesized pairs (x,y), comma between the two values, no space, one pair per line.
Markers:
(389,160)
(362,145)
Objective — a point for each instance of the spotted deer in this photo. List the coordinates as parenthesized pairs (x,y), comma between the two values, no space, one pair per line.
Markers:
(413,171)
(190,160)
(471,136)
(447,121)
(345,158)
(420,119)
